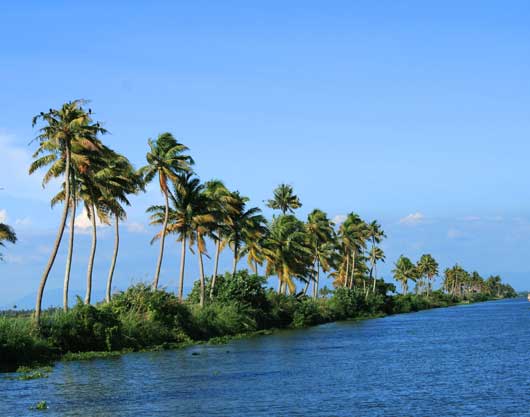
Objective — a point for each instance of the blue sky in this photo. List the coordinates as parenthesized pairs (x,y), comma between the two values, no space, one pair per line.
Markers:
(413,113)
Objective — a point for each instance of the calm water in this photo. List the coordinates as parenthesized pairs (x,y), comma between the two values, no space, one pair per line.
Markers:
(461,361)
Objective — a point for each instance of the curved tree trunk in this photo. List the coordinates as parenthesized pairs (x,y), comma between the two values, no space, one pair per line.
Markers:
(66,286)
(88,294)
(162,240)
(236,255)
(306,287)
(347,276)
(215,267)
(375,276)
(182,267)
(201,272)
(62,224)
(114,257)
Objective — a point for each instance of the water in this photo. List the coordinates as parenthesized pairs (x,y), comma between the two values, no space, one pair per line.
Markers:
(462,361)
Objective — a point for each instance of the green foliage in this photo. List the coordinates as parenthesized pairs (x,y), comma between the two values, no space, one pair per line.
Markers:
(215,320)
(83,328)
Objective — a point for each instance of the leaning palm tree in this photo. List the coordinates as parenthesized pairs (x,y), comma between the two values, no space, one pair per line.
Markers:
(240,224)
(63,130)
(403,271)
(125,181)
(428,267)
(322,242)
(376,255)
(190,219)
(166,159)
(288,253)
(353,233)
(284,199)
(7,234)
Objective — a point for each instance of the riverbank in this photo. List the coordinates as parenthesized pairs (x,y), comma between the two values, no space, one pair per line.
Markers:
(141,319)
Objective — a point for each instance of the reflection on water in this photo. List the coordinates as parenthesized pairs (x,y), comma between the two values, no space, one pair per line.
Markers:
(462,361)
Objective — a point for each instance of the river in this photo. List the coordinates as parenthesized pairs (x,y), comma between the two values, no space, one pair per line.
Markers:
(469,360)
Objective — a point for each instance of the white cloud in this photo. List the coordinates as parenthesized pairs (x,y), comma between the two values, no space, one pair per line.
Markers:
(134,227)
(83,223)
(414,218)
(3,216)
(339,219)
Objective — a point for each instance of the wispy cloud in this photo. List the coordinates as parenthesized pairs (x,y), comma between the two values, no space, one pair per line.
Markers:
(339,219)
(471,219)
(134,227)
(414,218)
(83,223)
(454,233)
(3,216)
(26,221)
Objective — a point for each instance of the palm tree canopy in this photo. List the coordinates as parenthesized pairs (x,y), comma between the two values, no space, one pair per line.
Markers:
(404,270)
(284,199)
(7,234)
(427,266)
(166,158)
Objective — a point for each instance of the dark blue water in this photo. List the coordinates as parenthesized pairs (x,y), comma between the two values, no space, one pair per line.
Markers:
(462,361)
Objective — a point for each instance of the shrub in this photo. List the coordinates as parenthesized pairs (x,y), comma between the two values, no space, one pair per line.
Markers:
(214,320)
(309,312)
(83,328)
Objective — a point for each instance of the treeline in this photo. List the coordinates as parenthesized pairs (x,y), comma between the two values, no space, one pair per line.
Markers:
(70,148)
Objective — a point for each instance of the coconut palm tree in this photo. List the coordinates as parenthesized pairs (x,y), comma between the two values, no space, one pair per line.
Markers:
(322,241)
(62,130)
(125,181)
(353,233)
(254,236)
(428,268)
(284,199)
(166,159)
(376,255)
(221,203)
(190,218)
(241,223)
(288,253)
(7,234)
(404,271)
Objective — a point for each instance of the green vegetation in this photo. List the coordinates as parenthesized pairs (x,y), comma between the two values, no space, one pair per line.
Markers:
(298,253)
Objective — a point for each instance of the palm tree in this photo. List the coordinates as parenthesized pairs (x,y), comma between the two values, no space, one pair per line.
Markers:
(125,181)
(63,130)
(403,271)
(190,219)
(254,236)
(221,202)
(7,234)
(241,223)
(376,255)
(322,242)
(428,267)
(166,159)
(352,235)
(288,253)
(284,199)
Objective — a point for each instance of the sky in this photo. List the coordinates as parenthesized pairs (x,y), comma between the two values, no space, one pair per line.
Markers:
(409,112)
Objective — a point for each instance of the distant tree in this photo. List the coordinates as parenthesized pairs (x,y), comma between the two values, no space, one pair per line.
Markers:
(404,271)
(284,199)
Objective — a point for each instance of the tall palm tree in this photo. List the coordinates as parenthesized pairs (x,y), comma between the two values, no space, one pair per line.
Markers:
(240,225)
(284,199)
(376,255)
(254,236)
(190,219)
(222,203)
(428,267)
(322,242)
(353,234)
(288,253)
(67,128)
(125,181)
(403,271)
(7,234)
(166,159)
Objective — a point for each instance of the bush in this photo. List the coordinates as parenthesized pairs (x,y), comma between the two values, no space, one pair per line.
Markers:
(19,344)
(309,312)
(83,328)
(152,317)
(214,320)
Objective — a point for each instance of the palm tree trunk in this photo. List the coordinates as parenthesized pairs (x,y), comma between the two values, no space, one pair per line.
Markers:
(352,270)
(88,294)
(234,269)
(162,240)
(182,267)
(317,280)
(114,257)
(280,283)
(58,238)
(201,271)
(215,267)
(375,276)
(304,292)
(347,277)
(69,254)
